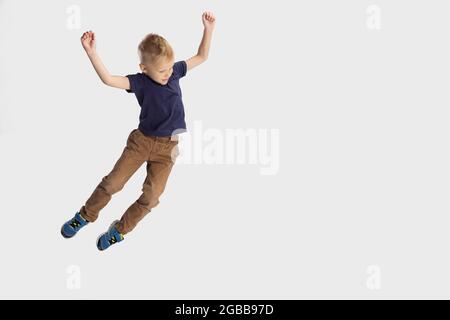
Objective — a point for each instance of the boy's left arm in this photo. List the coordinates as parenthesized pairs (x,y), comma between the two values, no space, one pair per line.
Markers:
(209,20)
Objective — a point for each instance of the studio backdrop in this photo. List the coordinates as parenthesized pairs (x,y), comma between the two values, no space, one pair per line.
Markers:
(315,162)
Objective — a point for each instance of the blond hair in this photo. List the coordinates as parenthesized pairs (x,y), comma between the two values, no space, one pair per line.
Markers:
(153,47)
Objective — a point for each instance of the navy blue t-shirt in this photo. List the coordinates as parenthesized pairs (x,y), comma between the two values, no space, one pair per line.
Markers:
(162,109)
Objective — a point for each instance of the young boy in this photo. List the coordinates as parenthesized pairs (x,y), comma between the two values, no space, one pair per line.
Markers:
(155,141)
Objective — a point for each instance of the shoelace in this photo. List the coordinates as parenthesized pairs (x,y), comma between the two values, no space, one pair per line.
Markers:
(75,223)
(112,240)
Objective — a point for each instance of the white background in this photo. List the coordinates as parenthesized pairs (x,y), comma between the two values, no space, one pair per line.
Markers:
(363,149)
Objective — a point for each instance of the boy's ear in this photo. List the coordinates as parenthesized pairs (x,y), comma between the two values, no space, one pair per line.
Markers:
(142,67)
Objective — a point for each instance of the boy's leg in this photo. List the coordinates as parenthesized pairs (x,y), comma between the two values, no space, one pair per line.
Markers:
(157,175)
(133,156)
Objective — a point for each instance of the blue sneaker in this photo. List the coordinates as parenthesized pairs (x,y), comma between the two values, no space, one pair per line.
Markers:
(71,227)
(110,237)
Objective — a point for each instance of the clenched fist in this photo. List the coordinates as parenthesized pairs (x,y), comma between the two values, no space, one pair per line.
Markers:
(88,42)
(209,20)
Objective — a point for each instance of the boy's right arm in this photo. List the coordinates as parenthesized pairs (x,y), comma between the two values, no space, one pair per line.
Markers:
(88,42)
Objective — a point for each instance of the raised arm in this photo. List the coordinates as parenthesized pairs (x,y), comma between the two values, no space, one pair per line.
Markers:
(88,42)
(209,21)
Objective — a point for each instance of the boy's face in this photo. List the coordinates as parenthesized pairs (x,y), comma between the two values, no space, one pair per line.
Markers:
(160,71)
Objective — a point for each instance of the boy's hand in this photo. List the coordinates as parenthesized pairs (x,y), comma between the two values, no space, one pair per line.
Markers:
(88,42)
(209,20)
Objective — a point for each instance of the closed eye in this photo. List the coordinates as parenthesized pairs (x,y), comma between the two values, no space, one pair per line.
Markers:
(165,70)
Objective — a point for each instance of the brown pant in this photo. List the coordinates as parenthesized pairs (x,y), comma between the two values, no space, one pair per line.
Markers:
(159,153)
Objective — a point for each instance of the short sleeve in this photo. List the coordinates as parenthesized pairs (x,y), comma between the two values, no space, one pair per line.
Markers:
(180,68)
(136,82)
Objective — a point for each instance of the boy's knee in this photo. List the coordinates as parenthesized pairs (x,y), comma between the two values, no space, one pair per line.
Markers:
(111,186)
(148,201)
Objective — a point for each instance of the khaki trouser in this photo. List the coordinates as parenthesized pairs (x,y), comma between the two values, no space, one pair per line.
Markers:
(159,153)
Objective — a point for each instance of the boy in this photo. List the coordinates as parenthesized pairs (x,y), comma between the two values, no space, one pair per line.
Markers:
(155,141)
